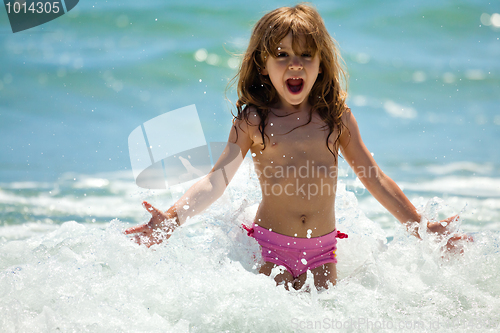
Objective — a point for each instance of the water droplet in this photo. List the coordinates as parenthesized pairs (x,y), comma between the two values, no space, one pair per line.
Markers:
(254,154)
(303,261)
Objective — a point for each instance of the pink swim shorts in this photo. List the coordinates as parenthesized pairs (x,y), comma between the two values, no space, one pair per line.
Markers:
(297,255)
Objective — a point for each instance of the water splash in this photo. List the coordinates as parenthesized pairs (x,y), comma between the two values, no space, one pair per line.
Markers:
(91,277)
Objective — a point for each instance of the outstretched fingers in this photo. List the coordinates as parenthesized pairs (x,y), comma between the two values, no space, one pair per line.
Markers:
(155,231)
(451,219)
(144,228)
(445,229)
(157,215)
(456,237)
(151,209)
(457,242)
(136,229)
(442,227)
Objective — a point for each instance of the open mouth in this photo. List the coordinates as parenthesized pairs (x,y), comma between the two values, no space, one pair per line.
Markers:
(295,85)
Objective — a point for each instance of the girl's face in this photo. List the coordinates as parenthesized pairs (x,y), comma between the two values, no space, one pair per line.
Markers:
(292,75)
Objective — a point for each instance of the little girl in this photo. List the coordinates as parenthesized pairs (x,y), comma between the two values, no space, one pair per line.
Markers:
(293,118)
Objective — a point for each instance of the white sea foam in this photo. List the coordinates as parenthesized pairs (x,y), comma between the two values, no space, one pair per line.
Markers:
(399,111)
(392,108)
(468,186)
(91,277)
(467,166)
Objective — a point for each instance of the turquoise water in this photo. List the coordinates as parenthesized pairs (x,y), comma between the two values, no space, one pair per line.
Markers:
(425,89)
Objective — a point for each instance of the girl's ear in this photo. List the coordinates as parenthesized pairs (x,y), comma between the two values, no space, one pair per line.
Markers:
(264,71)
(320,70)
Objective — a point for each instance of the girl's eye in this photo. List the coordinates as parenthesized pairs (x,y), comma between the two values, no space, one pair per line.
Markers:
(285,54)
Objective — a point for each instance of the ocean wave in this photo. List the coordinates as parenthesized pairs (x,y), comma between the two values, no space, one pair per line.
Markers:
(91,277)
(484,187)
(463,166)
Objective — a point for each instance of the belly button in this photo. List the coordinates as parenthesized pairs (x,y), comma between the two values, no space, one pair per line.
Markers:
(303,217)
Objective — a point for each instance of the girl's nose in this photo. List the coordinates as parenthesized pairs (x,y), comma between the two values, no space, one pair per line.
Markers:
(295,64)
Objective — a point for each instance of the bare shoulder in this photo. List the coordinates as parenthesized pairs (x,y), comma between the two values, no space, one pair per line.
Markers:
(347,122)
(247,124)
(251,116)
(347,116)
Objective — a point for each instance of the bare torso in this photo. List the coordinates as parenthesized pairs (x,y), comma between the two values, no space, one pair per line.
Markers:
(297,174)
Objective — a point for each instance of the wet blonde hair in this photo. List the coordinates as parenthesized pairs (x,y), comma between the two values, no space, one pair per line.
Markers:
(328,93)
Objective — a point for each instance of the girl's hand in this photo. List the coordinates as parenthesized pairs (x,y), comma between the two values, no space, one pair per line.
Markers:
(159,228)
(443,229)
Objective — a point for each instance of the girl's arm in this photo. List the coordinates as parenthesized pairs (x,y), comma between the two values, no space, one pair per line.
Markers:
(383,188)
(200,195)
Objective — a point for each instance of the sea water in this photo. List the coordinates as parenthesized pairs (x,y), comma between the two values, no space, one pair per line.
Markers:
(85,275)
(424,87)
